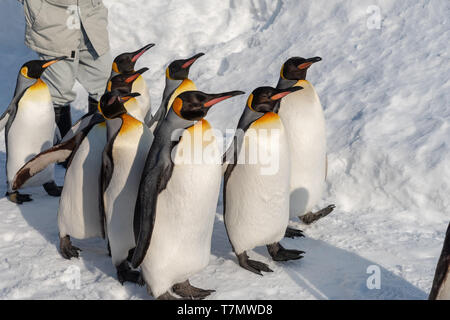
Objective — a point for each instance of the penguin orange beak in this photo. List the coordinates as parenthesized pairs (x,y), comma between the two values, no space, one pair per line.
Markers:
(284,93)
(135,75)
(49,63)
(191,60)
(141,51)
(309,62)
(216,98)
(128,96)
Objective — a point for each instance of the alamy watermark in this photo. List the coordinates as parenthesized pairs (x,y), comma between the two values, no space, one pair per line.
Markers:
(374,20)
(259,147)
(374,280)
(72,278)
(73,21)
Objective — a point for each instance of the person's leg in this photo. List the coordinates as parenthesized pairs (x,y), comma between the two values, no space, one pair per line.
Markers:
(60,79)
(93,74)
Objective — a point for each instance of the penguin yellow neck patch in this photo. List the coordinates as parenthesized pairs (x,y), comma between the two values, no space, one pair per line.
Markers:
(301,83)
(129,123)
(38,85)
(267,119)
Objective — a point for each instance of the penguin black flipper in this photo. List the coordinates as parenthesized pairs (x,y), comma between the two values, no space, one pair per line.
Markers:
(160,114)
(8,116)
(442,270)
(113,129)
(153,181)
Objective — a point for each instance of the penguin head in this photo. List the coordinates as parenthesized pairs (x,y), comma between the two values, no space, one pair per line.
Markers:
(194,105)
(125,62)
(266,99)
(124,82)
(35,68)
(179,69)
(296,68)
(111,103)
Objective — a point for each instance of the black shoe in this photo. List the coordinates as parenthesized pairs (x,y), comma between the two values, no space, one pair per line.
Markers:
(92,105)
(63,118)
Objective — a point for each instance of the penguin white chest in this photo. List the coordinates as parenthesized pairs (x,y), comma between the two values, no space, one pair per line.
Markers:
(257,191)
(181,240)
(79,213)
(303,118)
(143,100)
(31,132)
(129,153)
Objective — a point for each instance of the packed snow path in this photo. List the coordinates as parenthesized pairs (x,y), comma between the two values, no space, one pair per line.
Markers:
(384,84)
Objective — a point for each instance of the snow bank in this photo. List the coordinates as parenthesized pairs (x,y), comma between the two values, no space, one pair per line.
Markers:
(385,90)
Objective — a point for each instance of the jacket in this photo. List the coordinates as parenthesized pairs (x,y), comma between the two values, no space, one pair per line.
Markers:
(53,26)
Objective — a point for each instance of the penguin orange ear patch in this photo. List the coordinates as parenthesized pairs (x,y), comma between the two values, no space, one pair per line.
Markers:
(115,68)
(250,101)
(24,72)
(177,105)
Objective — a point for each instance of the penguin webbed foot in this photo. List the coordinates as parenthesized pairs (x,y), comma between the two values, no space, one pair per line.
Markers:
(188,291)
(52,189)
(311,217)
(293,233)
(68,250)
(278,253)
(17,197)
(126,274)
(167,296)
(252,265)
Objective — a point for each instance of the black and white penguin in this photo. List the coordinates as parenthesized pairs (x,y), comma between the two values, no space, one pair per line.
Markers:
(177,198)
(29,123)
(125,83)
(257,181)
(177,82)
(441,283)
(124,64)
(129,141)
(304,120)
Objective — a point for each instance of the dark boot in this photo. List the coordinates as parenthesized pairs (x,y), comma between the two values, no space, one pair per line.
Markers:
(63,118)
(92,105)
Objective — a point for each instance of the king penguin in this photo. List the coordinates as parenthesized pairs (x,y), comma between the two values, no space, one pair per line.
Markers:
(177,82)
(129,141)
(177,198)
(80,214)
(303,118)
(29,123)
(125,83)
(256,181)
(441,283)
(124,64)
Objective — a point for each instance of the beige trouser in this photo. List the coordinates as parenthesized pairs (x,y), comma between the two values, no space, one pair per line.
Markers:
(91,71)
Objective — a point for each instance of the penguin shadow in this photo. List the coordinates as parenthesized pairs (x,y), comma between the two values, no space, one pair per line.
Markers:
(329,272)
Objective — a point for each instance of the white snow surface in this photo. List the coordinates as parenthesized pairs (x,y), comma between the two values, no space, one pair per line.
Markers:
(385,92)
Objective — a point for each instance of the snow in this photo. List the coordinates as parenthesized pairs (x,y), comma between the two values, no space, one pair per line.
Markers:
(385,92)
